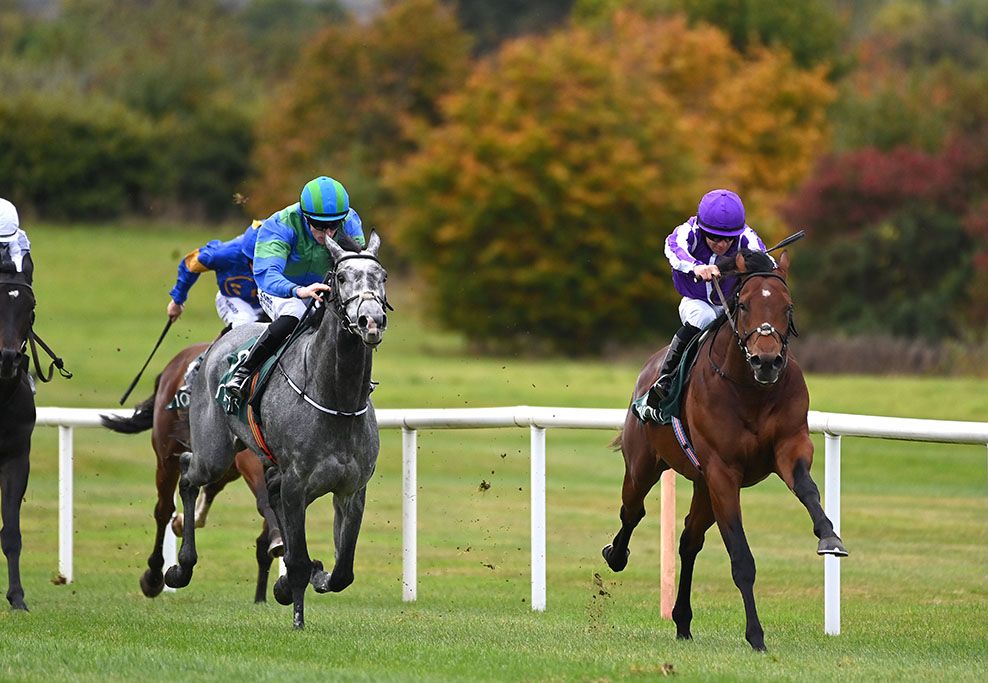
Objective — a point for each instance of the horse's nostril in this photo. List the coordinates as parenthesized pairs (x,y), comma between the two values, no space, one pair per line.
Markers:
(777,363)
(756,361)
(384,322)
(362,322)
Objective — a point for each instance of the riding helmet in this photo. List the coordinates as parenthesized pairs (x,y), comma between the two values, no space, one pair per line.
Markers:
(324,199)
(9,222)
(721,213)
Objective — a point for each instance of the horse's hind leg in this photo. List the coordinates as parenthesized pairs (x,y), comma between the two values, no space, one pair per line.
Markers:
(699,519)
(166,478)
(253,472)
(204,501)
(179,576)
(725,496)
(797,478)
(13,484)
(640,475)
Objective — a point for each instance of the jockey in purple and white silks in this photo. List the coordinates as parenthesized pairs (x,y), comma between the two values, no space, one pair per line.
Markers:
(718,229)
(236,298)
(290,261)
(14,241)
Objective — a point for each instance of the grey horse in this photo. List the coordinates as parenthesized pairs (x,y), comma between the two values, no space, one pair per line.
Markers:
(317,419)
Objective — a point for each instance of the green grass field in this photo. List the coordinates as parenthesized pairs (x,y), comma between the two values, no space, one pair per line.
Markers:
(915,596)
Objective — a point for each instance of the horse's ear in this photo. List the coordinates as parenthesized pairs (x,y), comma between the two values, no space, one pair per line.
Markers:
(374,243)
(739,262)
(335,250)
(784,264)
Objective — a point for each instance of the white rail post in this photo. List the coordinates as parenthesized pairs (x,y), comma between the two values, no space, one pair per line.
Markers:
(169,546)
(65,502)
(538,518)
(409,513)
(831,563)
(667,533)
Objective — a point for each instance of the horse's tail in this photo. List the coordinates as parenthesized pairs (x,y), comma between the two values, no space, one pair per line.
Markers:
(615,445)
(142,419)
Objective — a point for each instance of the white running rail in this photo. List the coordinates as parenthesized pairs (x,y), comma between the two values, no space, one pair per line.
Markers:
(537,420)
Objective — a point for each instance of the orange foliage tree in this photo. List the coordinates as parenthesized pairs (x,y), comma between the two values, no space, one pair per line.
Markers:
(356,91)
(539,208)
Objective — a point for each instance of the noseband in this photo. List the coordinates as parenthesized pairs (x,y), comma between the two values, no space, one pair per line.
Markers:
(766,329)
(339,305)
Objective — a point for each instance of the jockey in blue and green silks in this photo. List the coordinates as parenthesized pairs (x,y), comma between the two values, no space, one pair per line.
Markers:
(290,261)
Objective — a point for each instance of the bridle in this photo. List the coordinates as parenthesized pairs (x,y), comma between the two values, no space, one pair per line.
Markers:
(32,338)
(765,329)
(338,306)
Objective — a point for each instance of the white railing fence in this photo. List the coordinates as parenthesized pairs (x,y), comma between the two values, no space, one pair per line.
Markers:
(538,420)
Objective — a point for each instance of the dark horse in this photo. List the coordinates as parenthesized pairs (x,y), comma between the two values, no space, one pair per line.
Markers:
(318,422)
(17,413)
(745,410)
(169,437)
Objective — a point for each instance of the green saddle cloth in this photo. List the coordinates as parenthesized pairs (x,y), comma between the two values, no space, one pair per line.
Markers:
(236,358)
(671,405)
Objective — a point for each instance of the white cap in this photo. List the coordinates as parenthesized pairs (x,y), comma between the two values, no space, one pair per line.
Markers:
(9,223)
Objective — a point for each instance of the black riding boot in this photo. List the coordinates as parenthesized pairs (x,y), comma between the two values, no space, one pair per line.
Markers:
(670,366)
(263,349)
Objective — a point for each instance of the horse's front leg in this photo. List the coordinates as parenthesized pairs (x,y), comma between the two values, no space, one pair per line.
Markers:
(13,484)
(793,460)
(699,519)
(166,479)
(179,576)
(290,589)
(641,472)
(253,472)
(725,496)
(348,513)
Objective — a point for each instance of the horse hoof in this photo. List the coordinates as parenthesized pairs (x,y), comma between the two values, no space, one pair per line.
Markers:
(831,546)
(320,582)
(152,585)
(19,605)
(338,583)
(282,593)
(317,566)
(684,635)
(614,561)
(178,525)
(176,578)
(277,547)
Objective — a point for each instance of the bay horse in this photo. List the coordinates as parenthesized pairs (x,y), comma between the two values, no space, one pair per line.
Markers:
(17,414)
(169,438)
(318,423)
(744,408)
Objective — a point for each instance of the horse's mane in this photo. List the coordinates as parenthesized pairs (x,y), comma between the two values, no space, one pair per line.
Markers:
(755,261)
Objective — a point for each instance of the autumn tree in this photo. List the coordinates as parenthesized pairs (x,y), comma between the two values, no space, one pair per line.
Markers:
(353,99)
(538,210)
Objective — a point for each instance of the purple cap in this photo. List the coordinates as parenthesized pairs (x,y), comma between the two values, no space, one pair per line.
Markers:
(722,213)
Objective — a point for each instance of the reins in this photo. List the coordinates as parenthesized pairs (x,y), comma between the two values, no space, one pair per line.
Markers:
(33,338)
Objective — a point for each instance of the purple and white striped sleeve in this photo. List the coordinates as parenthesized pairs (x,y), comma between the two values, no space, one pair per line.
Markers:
(678,249)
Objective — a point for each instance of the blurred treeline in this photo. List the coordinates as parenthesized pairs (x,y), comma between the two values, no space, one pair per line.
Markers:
(527,158)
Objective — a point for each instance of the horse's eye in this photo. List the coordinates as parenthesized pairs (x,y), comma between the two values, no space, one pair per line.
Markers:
(742,307)
(340,278)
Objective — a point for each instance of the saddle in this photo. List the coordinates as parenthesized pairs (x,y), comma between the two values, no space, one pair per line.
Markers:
(671,406)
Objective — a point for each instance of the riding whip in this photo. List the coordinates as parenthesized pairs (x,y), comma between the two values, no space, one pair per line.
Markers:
(795,237)
(137,379)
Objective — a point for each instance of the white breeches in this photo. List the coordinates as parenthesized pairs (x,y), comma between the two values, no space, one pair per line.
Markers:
(275,306)
(234,311)
(698,313)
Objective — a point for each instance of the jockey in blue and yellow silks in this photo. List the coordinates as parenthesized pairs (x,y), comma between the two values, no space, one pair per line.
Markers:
(236,300)
(291,260)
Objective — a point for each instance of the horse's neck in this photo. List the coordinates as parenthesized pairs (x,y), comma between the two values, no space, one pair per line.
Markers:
(338,366)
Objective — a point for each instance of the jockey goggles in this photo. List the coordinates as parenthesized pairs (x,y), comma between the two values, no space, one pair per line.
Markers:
(323,226)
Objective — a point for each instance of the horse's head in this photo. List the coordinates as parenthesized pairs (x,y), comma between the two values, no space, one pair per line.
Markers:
(763,314)
(359,298)
(16,317)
